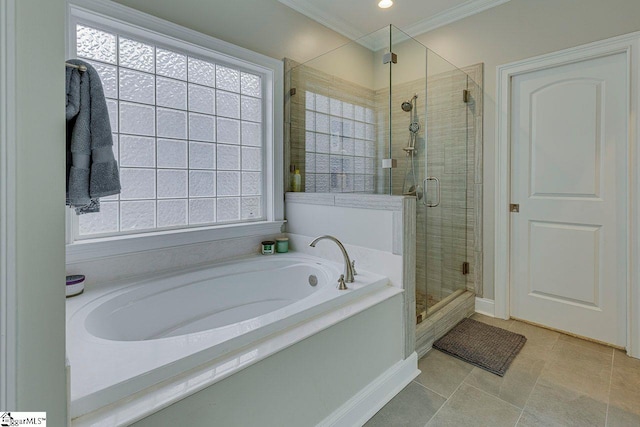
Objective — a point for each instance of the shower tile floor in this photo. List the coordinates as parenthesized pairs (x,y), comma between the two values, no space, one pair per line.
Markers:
(556,380)
(424,301)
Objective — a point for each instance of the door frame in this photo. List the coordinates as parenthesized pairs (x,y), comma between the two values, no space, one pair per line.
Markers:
(8,157)
(629,45)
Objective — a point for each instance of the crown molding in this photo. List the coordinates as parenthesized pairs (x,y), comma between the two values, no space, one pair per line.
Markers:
(453,14)
(345,28)
(332,22)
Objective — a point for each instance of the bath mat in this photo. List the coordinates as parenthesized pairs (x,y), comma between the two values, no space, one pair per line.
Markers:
(485,346)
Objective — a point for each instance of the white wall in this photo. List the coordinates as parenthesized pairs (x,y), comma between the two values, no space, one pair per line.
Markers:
(41,378)
(517,30)
(265,26)
(351,62)
(268,27)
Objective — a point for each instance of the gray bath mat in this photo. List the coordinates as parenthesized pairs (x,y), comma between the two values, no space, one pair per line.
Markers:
(482,345)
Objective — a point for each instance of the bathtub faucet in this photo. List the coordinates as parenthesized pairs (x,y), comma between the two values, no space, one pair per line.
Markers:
(348,266)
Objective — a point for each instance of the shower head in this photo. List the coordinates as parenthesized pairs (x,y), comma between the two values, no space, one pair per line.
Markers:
(408,105)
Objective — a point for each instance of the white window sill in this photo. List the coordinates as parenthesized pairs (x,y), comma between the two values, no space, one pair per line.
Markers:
(87,250)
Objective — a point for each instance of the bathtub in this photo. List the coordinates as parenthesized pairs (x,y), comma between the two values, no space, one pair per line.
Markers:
(163,337)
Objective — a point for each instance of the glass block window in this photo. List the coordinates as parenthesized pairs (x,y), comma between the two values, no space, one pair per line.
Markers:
(340,146)
(187,134)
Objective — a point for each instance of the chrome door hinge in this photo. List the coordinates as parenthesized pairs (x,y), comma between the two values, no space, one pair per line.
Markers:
(514,207)
(389,163)
(389,57)
(465,95)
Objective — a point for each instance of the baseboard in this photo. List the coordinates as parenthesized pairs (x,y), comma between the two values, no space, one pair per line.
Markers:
(486,306)
(422,351)
(361,407)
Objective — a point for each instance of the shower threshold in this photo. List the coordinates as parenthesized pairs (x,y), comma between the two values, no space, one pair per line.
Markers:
(451,310)
(437,306)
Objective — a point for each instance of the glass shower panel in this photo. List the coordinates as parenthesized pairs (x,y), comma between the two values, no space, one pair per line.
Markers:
(408,116)
(334,118)
(388,97)
(443,211)
(408,106)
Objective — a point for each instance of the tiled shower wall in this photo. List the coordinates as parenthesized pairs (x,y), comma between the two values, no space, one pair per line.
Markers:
(453,233)
(333,145)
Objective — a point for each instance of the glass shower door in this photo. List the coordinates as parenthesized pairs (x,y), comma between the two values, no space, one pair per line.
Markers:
(442,213)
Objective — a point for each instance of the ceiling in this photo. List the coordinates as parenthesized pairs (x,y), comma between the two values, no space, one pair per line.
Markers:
(356,18)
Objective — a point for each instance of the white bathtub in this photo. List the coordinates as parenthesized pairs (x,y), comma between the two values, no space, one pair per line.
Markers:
(128,338)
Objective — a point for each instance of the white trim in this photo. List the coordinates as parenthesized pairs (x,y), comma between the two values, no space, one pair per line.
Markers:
(451,15)
(88,250)
(132,17)
(331,21)
(369,400)
(8,157)
(344,27)
(485,306)
(630,45)
(111,15)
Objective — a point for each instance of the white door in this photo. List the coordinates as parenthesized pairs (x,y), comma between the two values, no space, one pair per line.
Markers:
(568,174)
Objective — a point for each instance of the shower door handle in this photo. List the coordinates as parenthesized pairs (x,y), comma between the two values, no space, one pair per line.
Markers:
(424,183)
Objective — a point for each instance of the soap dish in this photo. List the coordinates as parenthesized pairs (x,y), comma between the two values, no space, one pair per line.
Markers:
(75,285)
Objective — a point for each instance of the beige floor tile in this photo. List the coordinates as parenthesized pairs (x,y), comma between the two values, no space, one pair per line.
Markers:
(540,341)
(516,385)
(576,368)
(618,417)
(442,373)
(471,407)
(413,406)
(493,321)
(586,344)
(625,386)
(551,404)
(528,420)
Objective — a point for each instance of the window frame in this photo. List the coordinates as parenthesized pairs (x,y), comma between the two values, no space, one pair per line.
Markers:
(113,17)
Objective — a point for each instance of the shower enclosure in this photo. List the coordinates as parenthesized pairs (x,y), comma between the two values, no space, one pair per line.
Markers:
(386,115)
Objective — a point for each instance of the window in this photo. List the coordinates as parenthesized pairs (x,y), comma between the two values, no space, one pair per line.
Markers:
(339,145)
(188,135)
(197,127)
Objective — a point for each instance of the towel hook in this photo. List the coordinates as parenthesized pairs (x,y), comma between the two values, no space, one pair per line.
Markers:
(81,68)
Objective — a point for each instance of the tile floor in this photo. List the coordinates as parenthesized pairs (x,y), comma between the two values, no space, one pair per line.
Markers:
(556,380)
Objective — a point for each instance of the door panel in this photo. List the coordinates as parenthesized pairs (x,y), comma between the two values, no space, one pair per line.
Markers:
(565,137)
(568,173)
(563,253)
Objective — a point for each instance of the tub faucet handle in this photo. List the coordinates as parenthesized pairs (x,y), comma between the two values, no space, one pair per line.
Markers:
(348,268)
(341,285)
(353,267)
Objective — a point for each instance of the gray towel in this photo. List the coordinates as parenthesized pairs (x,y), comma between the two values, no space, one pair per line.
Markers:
(92,171)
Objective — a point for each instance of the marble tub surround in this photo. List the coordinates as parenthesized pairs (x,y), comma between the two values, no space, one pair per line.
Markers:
(256,309)
(556,380)
(368,259)
(116,268)
(378,232)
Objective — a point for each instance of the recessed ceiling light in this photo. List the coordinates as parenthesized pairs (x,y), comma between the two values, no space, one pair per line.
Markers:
(385,4)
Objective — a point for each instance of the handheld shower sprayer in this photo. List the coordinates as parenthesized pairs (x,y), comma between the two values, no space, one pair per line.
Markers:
(410,186)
